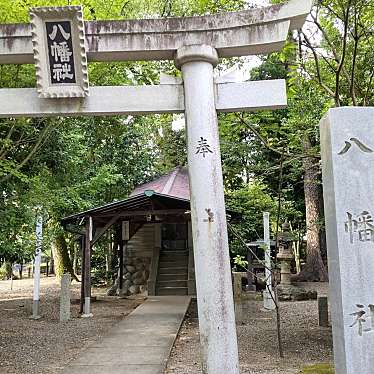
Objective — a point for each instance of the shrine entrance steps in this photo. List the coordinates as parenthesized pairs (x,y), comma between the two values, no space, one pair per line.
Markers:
(140,344)
(172,275)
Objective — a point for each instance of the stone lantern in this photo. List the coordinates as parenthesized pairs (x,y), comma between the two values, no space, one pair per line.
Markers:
(286,290)
(285,255)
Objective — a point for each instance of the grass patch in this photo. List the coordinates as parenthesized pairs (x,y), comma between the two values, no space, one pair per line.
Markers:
(318,369)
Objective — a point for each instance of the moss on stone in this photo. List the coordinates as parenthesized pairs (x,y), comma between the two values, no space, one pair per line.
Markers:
(318,369)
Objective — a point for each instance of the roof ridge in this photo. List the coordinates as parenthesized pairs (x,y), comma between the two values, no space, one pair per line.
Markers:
(169,184)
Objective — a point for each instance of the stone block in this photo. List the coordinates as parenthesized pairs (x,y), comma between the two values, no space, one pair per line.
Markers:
(139,266)
(268,298)
(138,275)
(347,147)
(126,284)
(65,298)
(142,289)
(294,293)
(127,276)
(134,289)
(131,269)
(323,311)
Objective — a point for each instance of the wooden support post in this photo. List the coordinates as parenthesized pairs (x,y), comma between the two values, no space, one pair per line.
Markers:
(87,270)
(120,255)
(125,237)
(82,246)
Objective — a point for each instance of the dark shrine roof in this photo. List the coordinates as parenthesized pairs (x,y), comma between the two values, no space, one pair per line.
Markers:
(148,200)
(175,184)
(168,192)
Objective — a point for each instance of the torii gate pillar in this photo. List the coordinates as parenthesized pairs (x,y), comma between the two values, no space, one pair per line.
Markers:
(209,228)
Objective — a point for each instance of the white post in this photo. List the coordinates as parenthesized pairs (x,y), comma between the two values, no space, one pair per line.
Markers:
(87,272)
(11,279)
(268,293)
(37,261)
(209,227)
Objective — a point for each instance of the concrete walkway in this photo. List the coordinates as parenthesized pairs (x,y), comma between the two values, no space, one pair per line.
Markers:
(140,344)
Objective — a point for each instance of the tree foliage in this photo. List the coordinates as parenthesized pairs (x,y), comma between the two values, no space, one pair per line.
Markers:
(70,164)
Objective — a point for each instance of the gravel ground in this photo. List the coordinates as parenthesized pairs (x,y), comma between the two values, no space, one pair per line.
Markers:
(45,346)
(304,343)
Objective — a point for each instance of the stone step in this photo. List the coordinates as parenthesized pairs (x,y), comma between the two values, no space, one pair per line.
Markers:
(172,264)
(172,277)
(171,283)
(165,291)
(173,270)
(173,258)
(173,253)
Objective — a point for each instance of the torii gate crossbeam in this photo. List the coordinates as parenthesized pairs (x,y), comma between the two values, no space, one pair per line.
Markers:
(141,100)
(253,31)
(196,44)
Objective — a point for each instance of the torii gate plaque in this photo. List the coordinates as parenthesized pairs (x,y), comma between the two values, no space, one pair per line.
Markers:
(195,43)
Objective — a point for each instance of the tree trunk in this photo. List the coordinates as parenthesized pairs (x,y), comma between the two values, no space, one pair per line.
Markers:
(322,233)
(52,262)
(314,269)
(64,264)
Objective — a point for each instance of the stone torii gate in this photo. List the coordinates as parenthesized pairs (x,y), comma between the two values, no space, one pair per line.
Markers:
(195,44)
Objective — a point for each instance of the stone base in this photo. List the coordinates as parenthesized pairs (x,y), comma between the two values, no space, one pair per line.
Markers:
(35,317)
(89,315)
(78,301)
(293,293)
(239,313)
(268,300)
(249,295)
(135,277)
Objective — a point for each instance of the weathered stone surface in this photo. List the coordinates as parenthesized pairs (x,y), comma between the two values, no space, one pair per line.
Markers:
(323,311)
(293,293)
(138,344)
(253,31)
(130,268)
(139,266)
(127,283)
(146,274)
(134,289)
(137,275)
(50,82)
(134,281)
(142,289)
(211,250)
(65,298)
(347,145)
(230,97)
(112,291)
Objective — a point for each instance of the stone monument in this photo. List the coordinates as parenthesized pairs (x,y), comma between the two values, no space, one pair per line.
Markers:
(347,144)
(65,298)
